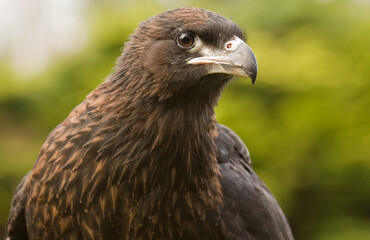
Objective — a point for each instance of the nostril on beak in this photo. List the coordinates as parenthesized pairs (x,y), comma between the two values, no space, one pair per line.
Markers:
(232,45)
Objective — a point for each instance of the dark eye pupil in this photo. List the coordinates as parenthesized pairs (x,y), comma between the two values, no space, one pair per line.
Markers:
(185,40)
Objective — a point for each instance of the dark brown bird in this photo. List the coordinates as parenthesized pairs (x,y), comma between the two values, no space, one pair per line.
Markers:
(143,156)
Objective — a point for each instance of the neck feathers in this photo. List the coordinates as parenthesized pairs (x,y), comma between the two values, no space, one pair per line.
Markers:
(162,157)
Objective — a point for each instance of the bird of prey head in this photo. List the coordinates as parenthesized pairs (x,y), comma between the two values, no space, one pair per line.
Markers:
(183,48)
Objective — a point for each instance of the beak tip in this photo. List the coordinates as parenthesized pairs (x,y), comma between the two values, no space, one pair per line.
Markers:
(253,79)
(253,76)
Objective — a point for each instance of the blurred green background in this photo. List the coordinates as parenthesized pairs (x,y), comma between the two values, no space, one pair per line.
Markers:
(306,121)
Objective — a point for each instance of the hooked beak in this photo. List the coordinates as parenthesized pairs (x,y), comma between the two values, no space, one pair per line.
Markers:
(237,59)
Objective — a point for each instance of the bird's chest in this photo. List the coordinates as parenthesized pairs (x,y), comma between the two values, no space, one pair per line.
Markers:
(178,221)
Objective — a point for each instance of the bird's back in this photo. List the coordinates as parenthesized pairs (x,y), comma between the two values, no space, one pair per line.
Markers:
(249,210)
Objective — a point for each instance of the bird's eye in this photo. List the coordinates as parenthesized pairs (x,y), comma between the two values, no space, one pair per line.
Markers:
(185,40)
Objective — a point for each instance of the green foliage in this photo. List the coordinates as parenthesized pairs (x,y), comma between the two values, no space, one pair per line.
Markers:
(306,120)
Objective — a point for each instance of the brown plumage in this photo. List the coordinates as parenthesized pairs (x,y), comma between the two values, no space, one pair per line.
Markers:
(143,157)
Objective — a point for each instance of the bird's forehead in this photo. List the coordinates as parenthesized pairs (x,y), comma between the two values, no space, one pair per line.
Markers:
(210,26)
(191,18)
(200,19)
